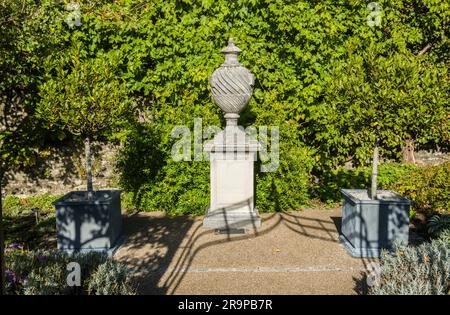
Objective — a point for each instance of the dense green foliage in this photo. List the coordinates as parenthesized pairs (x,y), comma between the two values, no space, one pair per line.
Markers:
(439,225)
(17,86)
(428,188)
(24,227)
(14,206)
(388,94)
(326,78)
(85,99)
(409,270)
(331,182)
(99,274)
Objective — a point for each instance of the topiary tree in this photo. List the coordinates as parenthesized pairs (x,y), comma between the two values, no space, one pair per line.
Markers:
(390,80)
(384,98)
(86,98)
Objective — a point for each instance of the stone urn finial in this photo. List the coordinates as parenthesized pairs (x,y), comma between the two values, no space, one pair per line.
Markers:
(231,84)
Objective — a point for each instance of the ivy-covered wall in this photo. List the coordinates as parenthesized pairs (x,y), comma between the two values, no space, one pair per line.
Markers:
(331,82)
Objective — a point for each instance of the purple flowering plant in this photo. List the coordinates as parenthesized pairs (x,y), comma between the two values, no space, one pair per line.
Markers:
(13,246)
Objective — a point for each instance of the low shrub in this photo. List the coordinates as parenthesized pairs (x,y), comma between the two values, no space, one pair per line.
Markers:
(331,182)
(444,237)
(428,188)
(437,224)
(408,270)
(45,273)
(288,187)
(13,206)
(110,278)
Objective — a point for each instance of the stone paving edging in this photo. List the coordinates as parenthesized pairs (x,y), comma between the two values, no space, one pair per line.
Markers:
(250,269)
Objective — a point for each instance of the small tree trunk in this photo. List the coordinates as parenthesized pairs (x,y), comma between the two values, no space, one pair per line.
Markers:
(2,245)
(373,187)
(87,148)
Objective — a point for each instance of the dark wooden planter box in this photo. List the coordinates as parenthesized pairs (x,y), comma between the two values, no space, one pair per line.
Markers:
(88,225)
(371,225)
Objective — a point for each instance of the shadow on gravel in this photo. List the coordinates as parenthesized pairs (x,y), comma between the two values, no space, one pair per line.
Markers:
(164,235)
(167,236)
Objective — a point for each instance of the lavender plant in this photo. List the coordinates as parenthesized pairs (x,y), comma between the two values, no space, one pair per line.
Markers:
(45,273)
(420,270)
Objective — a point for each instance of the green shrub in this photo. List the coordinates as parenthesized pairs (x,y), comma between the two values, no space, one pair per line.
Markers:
(391,173)
(322,74)
(288,187)
(421,270)
(45,273)
(428,187)
(179,188)
(444,237)
(13,206)
(438,224)
(330,182)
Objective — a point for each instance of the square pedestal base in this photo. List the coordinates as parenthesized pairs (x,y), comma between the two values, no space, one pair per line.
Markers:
(223,219)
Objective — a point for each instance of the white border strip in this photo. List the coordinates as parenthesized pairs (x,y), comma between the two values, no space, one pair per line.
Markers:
(252,269)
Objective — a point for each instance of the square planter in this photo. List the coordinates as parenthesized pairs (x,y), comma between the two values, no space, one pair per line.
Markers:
(371,225)
(89,225)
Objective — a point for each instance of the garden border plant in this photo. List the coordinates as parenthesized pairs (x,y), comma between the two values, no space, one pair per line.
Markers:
(46,272)
(414,270)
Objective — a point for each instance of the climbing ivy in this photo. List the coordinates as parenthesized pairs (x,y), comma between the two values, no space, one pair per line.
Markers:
(324,75)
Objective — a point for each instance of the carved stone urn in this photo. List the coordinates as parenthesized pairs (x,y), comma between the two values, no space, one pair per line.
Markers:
(231,84)
(232,152)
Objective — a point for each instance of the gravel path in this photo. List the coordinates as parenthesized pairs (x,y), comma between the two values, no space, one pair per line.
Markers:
(292,253)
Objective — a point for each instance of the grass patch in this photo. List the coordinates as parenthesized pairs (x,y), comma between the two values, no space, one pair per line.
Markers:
(21,225)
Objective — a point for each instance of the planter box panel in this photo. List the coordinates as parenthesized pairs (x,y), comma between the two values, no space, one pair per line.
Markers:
(371,225)
(88,224)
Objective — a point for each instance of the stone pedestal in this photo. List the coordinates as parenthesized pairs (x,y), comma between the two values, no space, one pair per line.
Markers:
(232,155)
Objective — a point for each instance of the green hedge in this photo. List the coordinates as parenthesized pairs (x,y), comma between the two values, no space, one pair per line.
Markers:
(329,183)
(428,188)
(325,77)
